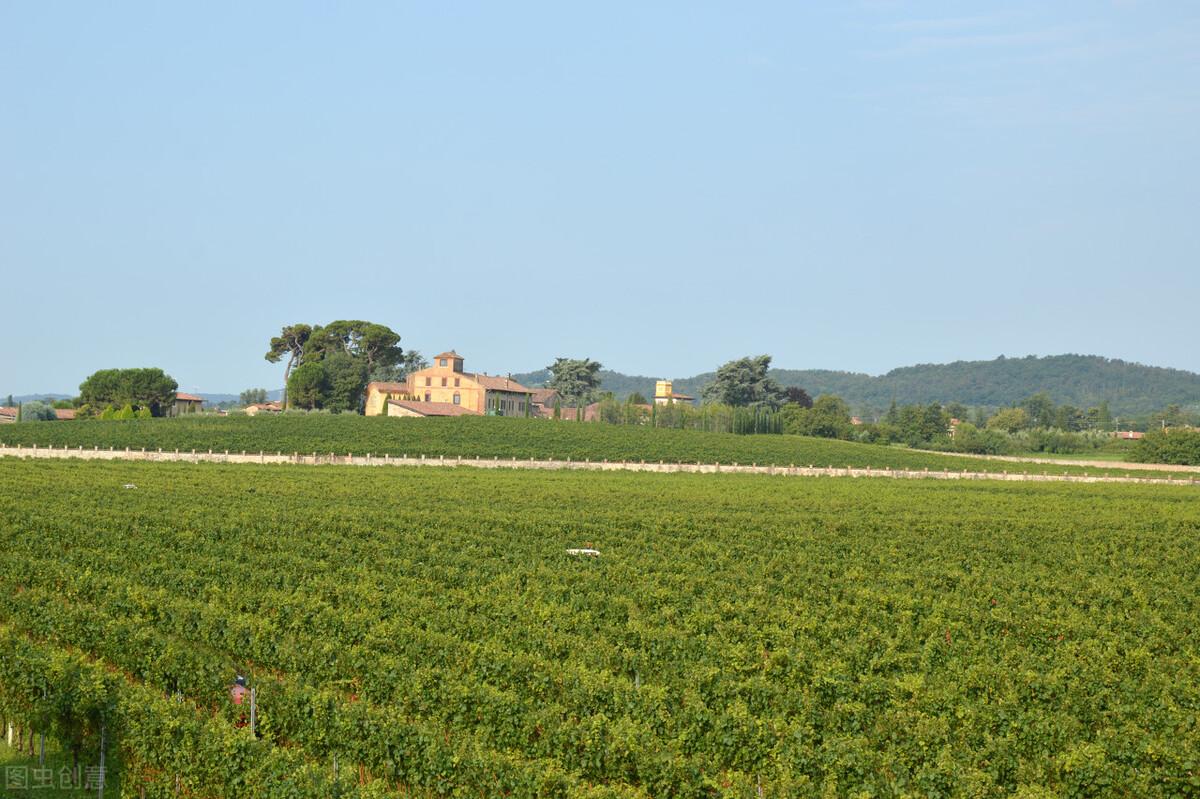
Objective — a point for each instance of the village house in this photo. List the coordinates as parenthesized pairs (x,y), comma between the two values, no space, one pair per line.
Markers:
(446,389)
(10,414)
(544,400)
(268,408)
(591,413)
(186,403)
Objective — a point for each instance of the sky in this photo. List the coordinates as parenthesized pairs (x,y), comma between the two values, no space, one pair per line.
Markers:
(658,186)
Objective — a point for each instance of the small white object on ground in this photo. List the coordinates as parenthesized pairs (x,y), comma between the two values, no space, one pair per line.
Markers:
(592,552)
(129,485)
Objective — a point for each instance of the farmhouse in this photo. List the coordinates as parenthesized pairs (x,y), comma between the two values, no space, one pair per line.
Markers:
(544,400)
(268,408)
(8,415)
(591,413)
(186,403)
(447,383)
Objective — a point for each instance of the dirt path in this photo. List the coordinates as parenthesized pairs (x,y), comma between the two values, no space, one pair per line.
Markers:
(1096,464)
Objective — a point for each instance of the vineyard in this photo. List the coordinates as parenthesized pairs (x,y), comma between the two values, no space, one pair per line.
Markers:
(423,632)
(487,437)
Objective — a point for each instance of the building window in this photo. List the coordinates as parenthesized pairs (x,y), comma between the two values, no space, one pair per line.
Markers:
(427,396)
(443,382)
(457,381)
(429,381)
(457,398)
(442,362)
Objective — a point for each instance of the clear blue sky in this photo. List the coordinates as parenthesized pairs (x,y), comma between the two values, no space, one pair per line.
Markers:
(843,185)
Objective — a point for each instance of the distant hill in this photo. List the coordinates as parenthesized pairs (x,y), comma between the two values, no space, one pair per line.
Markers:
(1131,389)
(217,399)
(23,398)
(620,384)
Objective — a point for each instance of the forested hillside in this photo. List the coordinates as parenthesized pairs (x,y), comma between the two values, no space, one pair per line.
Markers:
(1080,380)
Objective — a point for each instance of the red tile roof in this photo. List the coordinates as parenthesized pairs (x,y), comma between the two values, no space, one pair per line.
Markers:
(8,412)
(451,354)
(64,414)
(489,382)
(590,413)
(494,383)
(179,395)
(434,408)
(544,396)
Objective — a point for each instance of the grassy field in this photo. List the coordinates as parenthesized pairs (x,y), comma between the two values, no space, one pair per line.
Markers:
(737,636)
(489,437)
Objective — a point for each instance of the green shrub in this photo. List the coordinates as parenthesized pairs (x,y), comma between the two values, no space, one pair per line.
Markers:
(1175,446)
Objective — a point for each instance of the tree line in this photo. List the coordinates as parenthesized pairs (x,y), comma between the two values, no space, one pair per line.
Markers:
(328,367)
(744,397)
(141,393)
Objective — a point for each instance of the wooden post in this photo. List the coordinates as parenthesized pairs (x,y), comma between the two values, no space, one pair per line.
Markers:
(253,709)
(103,741)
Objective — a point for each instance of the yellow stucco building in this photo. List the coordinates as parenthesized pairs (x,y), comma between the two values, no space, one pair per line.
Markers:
(664,394)
(445,389)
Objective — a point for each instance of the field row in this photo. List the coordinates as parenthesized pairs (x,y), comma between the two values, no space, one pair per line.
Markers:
(733,634)
(474,437)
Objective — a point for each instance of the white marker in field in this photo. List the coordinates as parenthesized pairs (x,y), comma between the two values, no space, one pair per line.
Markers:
(592,552)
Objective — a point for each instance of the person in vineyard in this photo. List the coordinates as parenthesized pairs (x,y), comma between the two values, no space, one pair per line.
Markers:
(237,693)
